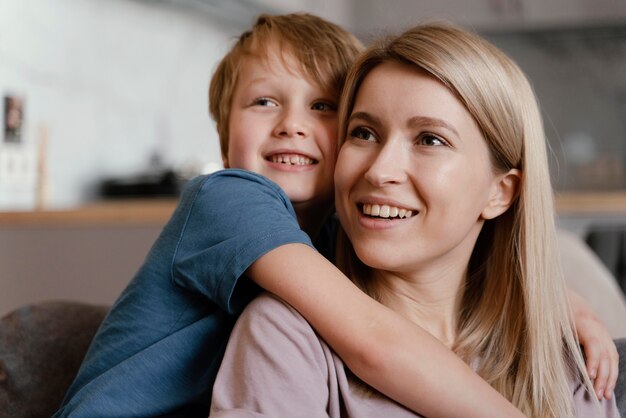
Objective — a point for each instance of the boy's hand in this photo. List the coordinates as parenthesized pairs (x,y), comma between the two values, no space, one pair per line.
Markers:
(600,351)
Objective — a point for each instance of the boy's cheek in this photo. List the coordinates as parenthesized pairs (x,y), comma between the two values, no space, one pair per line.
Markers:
(332,135)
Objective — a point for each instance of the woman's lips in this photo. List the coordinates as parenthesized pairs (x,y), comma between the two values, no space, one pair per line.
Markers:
(385,211)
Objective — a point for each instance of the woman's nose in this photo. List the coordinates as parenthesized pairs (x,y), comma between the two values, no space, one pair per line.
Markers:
(388,165)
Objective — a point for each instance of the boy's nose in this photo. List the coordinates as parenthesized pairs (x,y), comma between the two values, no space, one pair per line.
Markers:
(292,124)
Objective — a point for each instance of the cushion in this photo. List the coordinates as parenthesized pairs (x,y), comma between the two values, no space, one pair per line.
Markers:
(41,349)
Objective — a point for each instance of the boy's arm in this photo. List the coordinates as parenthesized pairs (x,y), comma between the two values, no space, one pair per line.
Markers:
(600,350)
(382,348)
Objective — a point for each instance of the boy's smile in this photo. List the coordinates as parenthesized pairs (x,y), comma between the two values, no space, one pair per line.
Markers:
(287,159)
(284,126)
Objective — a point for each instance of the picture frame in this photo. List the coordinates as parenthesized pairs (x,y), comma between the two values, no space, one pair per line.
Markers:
(13,120)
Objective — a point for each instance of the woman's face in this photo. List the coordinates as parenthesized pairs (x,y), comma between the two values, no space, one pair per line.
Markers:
(414,174)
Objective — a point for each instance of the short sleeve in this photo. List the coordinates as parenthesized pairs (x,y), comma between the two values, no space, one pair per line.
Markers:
(235,217)
(275,366)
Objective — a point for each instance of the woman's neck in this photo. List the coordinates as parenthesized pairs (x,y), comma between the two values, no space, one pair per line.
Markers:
(431,301)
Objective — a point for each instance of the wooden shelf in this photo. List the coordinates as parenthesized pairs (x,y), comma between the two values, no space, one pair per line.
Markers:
(140,212)
(591,203)
(108,213)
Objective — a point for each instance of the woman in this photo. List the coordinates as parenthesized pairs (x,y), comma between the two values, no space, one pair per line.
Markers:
(442,188)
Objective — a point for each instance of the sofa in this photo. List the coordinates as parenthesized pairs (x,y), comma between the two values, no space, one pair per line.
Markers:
(42,346)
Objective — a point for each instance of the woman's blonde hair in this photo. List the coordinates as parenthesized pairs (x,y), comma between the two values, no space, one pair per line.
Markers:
(514,321)
(323,50)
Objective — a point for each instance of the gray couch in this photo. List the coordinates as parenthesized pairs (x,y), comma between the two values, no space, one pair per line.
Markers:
(42,346)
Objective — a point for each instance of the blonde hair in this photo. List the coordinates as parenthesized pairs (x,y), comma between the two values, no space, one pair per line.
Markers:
(514,321)
(324,51)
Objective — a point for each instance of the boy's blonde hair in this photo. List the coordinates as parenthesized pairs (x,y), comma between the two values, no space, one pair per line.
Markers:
(323,50)
(514,319)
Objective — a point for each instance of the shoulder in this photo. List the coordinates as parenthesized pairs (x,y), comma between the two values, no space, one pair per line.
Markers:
(230,189)
(271,331)
(269,318)
(269,310)
(236,178)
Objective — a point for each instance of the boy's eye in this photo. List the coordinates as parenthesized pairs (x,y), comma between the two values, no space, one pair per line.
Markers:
(363,134)
(264,101)
(324,107)
(430,140)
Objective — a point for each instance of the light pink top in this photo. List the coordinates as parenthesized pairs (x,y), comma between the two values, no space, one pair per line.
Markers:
(277,366)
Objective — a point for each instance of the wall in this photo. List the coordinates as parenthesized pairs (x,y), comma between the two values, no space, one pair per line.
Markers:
(117,82)
(578,75)
(87,264)
(371,17)
(114,82)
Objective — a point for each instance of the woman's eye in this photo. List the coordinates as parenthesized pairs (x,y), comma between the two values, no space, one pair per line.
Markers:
(264,101)
(363,134)
(324,107)
(431,141)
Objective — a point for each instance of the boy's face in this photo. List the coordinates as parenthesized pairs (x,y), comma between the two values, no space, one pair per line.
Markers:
(284,126)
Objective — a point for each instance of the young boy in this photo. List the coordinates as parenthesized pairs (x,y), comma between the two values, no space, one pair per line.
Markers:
(274,97)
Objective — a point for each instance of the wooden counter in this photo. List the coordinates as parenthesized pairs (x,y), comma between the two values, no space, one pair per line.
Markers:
(114,212)
(591,203)
(158,211)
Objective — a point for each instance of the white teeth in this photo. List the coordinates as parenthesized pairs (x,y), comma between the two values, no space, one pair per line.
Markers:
(386,211)
(291,159)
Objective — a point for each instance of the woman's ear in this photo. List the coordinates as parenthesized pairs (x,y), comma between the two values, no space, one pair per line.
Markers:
(504,191)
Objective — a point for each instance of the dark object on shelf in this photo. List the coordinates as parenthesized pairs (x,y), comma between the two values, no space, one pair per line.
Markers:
(159,184)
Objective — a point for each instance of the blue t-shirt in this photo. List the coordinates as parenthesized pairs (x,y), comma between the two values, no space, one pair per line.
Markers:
(159,349)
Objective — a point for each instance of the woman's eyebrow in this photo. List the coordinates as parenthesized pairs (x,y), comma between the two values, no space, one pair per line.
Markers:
(415,121)
(364,116)
(425,120)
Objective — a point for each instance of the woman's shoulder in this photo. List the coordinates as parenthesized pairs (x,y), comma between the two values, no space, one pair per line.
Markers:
(270,324)
(268,306)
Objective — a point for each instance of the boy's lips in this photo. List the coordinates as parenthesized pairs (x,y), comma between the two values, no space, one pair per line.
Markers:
(290,158)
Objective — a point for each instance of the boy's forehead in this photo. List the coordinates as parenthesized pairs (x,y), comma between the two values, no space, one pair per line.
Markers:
(275,61)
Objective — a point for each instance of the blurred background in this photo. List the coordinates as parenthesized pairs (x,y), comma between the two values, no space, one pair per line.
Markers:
(105,115)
